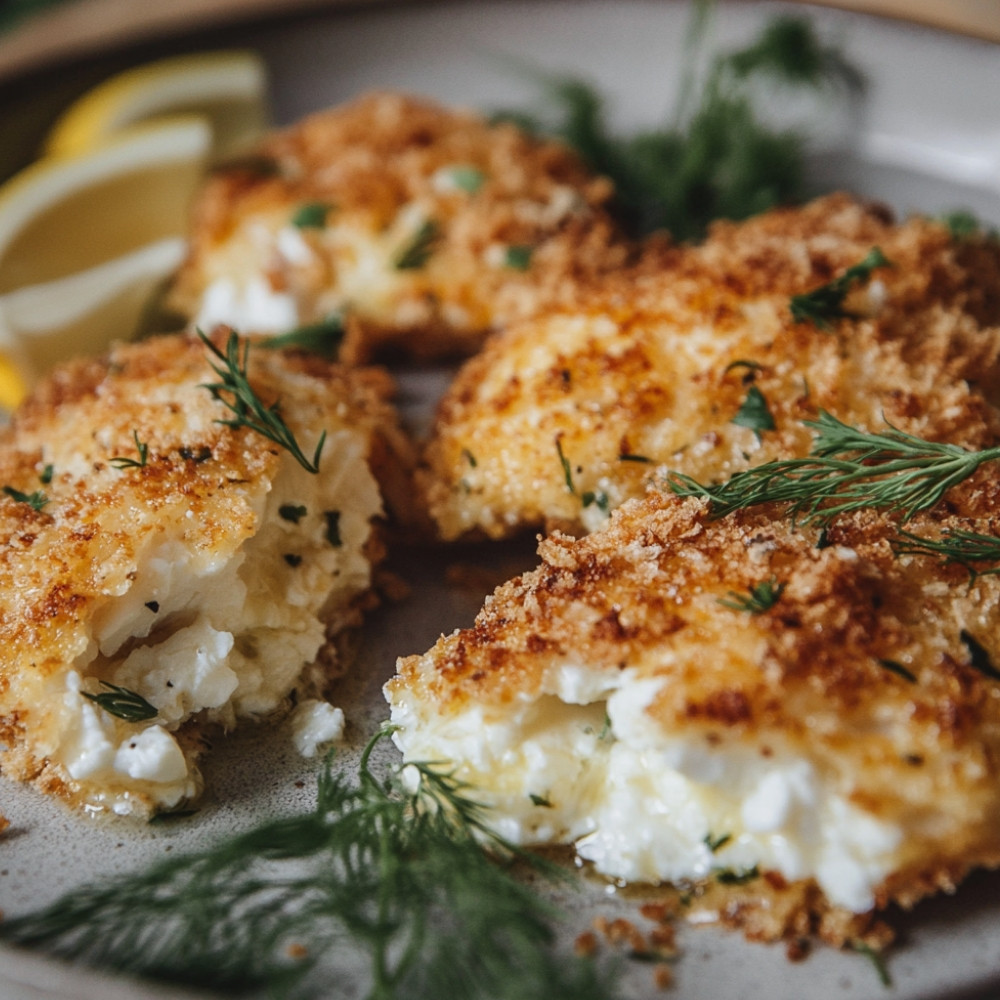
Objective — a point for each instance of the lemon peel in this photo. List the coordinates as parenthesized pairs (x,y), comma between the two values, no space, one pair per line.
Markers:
(227,88)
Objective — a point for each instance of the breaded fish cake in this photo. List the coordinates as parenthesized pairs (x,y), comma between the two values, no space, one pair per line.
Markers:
(700,367)
(836,744)
(182,571)
(425,227)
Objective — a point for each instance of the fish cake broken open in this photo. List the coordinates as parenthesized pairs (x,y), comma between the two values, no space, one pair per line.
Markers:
(739,703)
(165,568)
(699,365)
(419,227)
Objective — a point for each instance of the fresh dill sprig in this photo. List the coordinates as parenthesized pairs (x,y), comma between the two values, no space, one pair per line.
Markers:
(36,500)
(391,868)
(236,393)
(717,157)
(759,598)
(877,960)
(955,545)
(142,447)
(848,469)
(824,304)
(123,703)
(323,337)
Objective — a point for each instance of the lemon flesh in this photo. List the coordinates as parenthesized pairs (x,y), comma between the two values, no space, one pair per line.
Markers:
(67,214)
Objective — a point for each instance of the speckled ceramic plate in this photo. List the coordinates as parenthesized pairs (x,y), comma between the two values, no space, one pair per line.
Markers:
(927,140)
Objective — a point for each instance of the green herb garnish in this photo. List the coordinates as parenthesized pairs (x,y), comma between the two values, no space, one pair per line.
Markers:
(963,225)
(877,960)
(36,500)
(736,876)
(629,457)
(715,844)
(566,467)
(518,258)
(717,158)
(292,512)
(954,546)
(750,366)
(129,463)
(469,457)
(754,413)
(122,703)
(45,477)
(598,499)
(540,800)
(468,179)
(392,867)
(897,668)
(249,411)
(979,656)
(323,338)
(312,215)
(759,598)
(417,252)
(824,304)
(848,469)
(332,518)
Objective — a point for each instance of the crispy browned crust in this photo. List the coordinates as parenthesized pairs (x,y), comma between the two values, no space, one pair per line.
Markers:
(60,562)
(807,677)
(649,364)
(381,152)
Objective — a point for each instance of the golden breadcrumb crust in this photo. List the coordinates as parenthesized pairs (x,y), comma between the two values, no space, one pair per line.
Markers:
(386,154)
(822,674)
(200,483)
(568,414)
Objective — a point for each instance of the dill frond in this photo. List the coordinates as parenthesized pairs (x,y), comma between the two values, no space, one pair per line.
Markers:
(392,867)
(759,598)
(848,469)
(966,548)
(717,158)
(236,393)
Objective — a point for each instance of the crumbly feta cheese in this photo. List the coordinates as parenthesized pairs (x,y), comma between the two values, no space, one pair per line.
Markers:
(152,755)
(314,724)
(574,767)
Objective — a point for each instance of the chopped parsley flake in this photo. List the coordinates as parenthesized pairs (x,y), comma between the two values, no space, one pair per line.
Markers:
(417,252)
(754,413)
(291,512)
(518,257)
(824,304)
(312,215)
(468,179)
(333,528)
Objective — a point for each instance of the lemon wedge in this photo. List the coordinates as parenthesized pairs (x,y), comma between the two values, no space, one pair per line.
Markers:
(86,239)
(82,313)
(228,89)
(68,213)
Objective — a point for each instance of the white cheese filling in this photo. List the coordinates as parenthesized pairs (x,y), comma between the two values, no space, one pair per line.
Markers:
(584,764)
(221,636)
